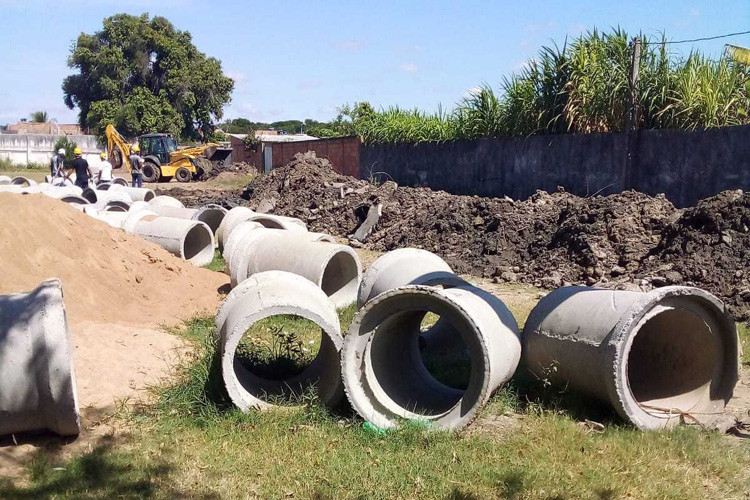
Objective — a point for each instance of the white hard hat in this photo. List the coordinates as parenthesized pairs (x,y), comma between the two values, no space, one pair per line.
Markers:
(61,151)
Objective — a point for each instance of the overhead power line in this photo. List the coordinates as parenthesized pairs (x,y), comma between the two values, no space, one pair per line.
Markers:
(707,38)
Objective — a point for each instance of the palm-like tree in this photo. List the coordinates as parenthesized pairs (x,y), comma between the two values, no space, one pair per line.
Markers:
(39,117)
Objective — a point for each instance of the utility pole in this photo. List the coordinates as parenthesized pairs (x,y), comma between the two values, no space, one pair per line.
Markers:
(631,117)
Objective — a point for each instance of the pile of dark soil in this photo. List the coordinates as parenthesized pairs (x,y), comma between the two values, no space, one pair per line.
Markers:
(625,240)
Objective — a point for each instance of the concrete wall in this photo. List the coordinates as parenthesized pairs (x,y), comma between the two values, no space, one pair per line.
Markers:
(343,153)
(686,166)
(37,148)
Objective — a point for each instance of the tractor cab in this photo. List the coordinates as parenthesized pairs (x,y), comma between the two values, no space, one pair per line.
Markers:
(158,145)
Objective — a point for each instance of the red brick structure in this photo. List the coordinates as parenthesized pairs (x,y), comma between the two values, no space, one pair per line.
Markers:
(342,152)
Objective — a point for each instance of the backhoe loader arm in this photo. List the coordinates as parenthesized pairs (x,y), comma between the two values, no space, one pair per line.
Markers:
(116,142)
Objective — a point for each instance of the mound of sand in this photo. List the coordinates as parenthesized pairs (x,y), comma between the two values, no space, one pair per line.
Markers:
(107,275)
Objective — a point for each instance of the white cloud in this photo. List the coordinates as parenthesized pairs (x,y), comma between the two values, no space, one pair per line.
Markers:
(238,76)
(472,92)
(350,45)
(409,67)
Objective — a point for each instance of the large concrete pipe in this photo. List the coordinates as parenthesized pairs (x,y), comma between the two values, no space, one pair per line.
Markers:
(74,199)
(22,181)
(136,194)
(211,215)
(233,218)
(237,238)
(405,266)
(120,182)
(4,179)
(59,192)
(113,218)
(334,268)
(413,266)
(37,381)
(103,186)
(659,357)
(385,377)
(90,195)
(188,239)
(275,293)
(108,198)
(165,201)
(279,222)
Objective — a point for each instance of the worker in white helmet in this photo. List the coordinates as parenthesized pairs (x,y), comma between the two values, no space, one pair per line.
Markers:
(57,164)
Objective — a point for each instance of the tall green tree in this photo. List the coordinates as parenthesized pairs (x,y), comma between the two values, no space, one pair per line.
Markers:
(143,75)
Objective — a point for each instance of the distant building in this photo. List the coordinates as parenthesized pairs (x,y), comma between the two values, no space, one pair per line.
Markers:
(48,128)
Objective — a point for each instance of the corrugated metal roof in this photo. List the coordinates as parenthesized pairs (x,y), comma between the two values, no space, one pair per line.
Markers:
(286,138)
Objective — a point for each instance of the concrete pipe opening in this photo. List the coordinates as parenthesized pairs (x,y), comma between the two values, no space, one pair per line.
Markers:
(340,279)
(116,206)
(658,358)
(278,308)
(74,199)
(22,181)
(278,222)
(211,215)
(119,181)
(388,378)
(103,186)
(198,245)
(90,195)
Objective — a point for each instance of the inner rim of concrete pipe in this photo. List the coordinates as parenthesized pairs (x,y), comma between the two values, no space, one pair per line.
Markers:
(211,216)
(89,194)
(274,391)
(671,360)
(268,222)
(197,245)
(340,279)
(117,206)
(394,368)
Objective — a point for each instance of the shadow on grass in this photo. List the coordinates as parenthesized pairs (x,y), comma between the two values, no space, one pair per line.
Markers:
(100,473)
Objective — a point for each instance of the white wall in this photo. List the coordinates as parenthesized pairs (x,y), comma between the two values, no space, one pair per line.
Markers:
(37,148)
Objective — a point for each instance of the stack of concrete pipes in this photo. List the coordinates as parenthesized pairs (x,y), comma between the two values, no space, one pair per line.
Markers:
(186,233)
(658,358)
(252,243)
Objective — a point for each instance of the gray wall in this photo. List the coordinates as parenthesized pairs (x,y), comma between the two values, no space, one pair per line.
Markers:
(686,166)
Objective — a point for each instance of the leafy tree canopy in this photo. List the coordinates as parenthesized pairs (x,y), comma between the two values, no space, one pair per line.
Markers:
(143,75)
(39,117)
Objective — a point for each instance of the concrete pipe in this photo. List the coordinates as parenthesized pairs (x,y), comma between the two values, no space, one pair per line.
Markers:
(323,237)
(237,238)
(22,181)
(659,357)
(105,198)
(279,222)
(334,268)
(405,266)
(112,218)
(103,186)
(211,215)
(37,381)
(385,376)
(270,294)
(133,218)
(74,199)
(233,218)
(116,206)
(139,205)
(165,201)
(136,194)
(90,195)
(60,191)
(4,179)
(120,182)
(190,240)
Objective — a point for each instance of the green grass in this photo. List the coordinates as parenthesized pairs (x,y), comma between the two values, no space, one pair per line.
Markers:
(192,443)
(743,329)
(218,263)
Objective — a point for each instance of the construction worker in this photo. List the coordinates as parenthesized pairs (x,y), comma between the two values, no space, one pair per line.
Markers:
(136,166)
(57,164)
(105,169)
(81,168)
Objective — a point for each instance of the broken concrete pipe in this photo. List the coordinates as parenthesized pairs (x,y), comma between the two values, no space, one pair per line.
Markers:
(275,293)
(385,375)
(658,358)
(334,268)
(136,194)
(190,240)
(37,381)
(238,215)
(212,215)
(165,201)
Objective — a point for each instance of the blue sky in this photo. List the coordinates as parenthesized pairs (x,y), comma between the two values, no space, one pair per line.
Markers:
(302,59)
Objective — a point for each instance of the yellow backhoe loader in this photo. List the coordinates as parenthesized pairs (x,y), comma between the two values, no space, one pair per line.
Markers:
(162,159)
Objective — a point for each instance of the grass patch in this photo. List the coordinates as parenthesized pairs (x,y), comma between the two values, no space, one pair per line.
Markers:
(193,444)
(743,330)
(218,263)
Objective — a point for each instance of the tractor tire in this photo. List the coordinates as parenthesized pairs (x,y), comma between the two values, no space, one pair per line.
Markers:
(183,175)
(151,172)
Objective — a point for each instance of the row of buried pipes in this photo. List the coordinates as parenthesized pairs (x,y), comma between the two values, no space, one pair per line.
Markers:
(658,358)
